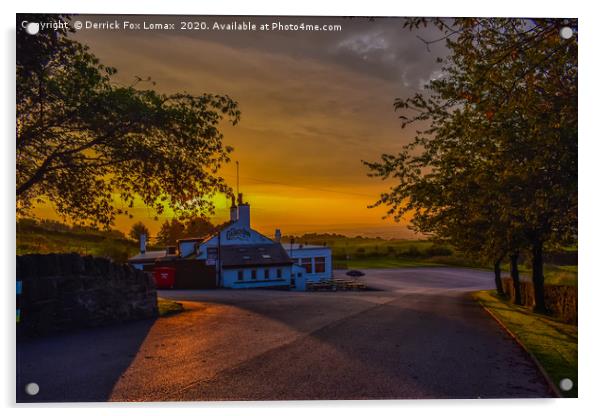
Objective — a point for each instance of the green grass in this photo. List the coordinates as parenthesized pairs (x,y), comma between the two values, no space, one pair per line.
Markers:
(568,268)
(385,263)
(169,307)
(53,237)
(553,274)
(553,343)
(561,277)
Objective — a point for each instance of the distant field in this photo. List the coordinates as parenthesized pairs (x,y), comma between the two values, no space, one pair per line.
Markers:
(361,252)
(348,252)
(377,253)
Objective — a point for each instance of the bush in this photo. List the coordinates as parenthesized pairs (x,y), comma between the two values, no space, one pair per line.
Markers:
(561,301)
(436,250)
(411,252)
(360,253)
(115,251)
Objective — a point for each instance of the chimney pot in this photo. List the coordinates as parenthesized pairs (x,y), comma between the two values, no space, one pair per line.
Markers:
(142,243)
(233,211)
(244,215)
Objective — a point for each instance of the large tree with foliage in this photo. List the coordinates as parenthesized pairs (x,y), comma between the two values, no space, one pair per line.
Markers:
(495,171)
(137,230)
(199,227)
(173,230)
(170,232)
(91,147)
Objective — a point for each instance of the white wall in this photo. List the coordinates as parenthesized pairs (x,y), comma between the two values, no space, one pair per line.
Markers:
(313,253)
(186,247)
(235,234)
(230,277)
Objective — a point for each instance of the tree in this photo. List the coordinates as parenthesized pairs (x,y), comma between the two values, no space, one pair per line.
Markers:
(174,230)
(84,141)
(171,232)
(137,230)
(495,171)
(199,227)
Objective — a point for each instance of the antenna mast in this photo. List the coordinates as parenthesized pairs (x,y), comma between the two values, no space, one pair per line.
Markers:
(237,179)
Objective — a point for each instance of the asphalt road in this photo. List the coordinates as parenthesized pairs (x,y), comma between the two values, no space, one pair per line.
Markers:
(417,334)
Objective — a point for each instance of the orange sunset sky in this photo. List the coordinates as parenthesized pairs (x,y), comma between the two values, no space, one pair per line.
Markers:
(313,106)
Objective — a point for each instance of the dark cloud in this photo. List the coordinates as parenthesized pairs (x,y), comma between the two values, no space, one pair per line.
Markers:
(378,47)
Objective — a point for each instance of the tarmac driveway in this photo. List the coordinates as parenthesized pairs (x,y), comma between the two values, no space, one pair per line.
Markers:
(417,334)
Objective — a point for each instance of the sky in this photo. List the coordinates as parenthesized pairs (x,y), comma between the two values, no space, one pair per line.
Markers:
(313,106)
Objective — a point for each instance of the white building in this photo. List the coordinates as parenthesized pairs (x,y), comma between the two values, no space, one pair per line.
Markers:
(314,262)
(245,258)
(240,257)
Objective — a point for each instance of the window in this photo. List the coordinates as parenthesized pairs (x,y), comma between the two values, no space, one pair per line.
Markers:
(266,274)
(306,263)
(253,274)
(320,264)
(241,275)
(279,273)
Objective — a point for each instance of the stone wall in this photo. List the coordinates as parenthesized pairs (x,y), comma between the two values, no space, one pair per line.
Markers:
(68,291)
(561,301)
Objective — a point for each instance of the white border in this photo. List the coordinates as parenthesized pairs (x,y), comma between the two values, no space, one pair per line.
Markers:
(589,213)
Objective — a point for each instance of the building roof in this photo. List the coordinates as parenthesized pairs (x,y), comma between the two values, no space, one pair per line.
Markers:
(147,257)
(190,239)
(254,255)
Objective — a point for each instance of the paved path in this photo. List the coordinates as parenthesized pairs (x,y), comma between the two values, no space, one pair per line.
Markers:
(418,334)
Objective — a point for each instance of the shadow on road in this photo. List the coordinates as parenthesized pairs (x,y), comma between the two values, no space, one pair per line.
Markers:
(416,346)
(80,366)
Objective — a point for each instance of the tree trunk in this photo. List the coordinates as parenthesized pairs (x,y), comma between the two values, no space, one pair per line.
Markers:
(498,277)
(538,278)
(515,279)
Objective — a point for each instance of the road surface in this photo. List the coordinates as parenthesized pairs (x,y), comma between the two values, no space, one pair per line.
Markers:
(416,335)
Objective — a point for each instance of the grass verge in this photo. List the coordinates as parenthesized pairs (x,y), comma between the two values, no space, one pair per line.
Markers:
(552,343)
(169,307)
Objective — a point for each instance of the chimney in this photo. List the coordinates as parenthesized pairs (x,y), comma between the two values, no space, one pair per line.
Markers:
(277,235)
(244,213)
(233,211)
(142,243)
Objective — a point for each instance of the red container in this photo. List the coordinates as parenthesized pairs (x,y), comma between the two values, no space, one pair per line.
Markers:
(165,277)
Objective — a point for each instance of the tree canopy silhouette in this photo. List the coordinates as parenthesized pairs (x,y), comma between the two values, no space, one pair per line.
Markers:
(495,170)
(137,230)
(173,230)
(91,147)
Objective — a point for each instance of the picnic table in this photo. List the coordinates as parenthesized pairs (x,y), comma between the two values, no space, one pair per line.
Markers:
(336,284)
